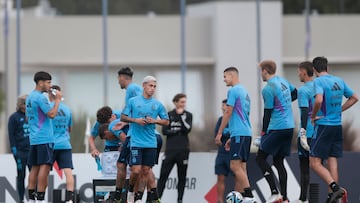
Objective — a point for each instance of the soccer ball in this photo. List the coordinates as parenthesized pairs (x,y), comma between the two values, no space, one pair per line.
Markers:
(234,197)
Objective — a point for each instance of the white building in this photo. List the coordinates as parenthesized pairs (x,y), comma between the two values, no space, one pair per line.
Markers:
(219,34)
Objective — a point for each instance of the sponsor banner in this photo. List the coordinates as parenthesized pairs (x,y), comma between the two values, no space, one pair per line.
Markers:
(200,185)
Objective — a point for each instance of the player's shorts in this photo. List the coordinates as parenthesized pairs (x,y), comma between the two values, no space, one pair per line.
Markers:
(277,142)
(63,157)
(158,148)
(143,156)
(240,148)
(327,142)
(41,154)
(125,152)
(222,164)
(301,151)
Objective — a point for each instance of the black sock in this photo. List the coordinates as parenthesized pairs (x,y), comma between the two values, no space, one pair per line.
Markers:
(138,195)
(148,197)
(154,194)
(32,194)
(334,187)
(247,192)
(40,195)
(131,188)
(69,195)
(328,197)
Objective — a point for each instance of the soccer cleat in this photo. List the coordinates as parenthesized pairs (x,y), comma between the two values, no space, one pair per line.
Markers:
(138,201)
(275,198)
(344,198)
(249,200)
(337,195)
(32,201)
(130,197)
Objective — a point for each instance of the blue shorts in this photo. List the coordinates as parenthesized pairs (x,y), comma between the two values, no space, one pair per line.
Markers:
(41,154)
(327,142)
(240,148)
(301,151)
(143,156)
(125,152)
(277,142)
(222,164)
(64,158)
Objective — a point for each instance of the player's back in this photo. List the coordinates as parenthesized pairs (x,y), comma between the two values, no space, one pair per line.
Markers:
(277,96)
(61,124)
(332,89)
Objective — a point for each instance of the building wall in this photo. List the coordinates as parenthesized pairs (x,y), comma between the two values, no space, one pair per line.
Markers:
(219,34)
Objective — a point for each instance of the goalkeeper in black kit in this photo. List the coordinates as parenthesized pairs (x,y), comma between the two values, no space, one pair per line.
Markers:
(177,145)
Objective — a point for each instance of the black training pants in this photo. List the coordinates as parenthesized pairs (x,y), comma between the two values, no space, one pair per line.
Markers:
(180,158)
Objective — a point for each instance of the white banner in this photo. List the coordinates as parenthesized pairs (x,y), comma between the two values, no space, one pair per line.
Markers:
(200,178)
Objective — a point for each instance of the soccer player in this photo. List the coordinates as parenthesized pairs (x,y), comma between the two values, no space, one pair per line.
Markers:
(277,130)
(18,132)
(143,112)
(39,114)
(104,115)
(62,148)
(237,114)
(125,76)
(328,139)
(177,145)
(305,101)
(222,161)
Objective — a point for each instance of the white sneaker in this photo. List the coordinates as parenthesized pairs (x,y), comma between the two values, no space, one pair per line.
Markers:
(70,201)
(138,201)
(130,197)
(300,201)
(32,201)
(40,201)
(249,200)
(276,198)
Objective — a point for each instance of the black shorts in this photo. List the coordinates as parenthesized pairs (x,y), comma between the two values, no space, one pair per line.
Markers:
(41,154)
(327,142)
(63,157)
(277,142)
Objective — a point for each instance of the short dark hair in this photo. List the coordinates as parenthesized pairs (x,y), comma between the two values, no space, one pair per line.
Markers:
(177,97)
(269,66)
(57,87)
(231,69)
(104,114)
(41,76)
(102,128)
(320,64)
(126,71)
(308,66)
(224,101)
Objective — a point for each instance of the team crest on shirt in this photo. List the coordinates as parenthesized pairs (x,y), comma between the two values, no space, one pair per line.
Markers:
(153,107)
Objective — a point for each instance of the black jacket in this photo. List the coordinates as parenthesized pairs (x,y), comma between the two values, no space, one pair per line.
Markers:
(177,131)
